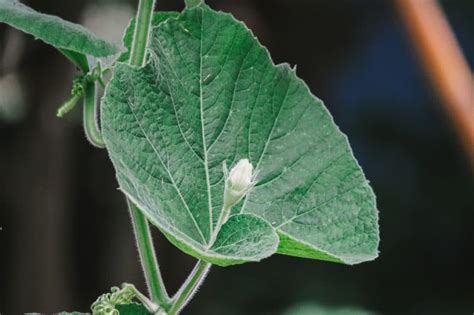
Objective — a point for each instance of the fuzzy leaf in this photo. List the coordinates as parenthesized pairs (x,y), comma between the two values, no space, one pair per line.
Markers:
(210,93)
(54,30)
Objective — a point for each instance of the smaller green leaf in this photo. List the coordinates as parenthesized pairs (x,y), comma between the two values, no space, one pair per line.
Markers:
(247,238)
(132,309)
(158,17)
(53,30)
(243,238)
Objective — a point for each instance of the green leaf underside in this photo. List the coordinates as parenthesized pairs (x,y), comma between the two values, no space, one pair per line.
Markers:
(210,93)
(158,17)
(54,30)
(80,60)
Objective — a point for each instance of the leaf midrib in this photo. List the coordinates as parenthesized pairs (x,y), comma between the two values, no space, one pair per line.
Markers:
(206,168)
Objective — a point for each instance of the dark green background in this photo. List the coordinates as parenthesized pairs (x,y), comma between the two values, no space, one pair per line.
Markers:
(65,235)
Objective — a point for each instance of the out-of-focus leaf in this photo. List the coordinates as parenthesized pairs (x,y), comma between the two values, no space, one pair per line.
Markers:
(54,30)
(315,309)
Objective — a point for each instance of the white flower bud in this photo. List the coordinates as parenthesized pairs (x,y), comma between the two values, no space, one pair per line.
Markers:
(240,177)
(238,182)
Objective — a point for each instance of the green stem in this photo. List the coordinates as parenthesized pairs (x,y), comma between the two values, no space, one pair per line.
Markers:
(142,32)
(147,256)
(140,223)
(189,287)
(91,126)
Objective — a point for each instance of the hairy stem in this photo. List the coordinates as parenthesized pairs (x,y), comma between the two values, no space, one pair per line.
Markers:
(147,256)
(189,287)
(140,223)
(142,32)
(91,127)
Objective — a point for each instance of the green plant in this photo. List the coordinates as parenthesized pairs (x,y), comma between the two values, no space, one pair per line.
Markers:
(191,93)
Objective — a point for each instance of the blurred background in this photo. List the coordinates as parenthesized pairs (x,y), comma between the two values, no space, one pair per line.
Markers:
(65,234)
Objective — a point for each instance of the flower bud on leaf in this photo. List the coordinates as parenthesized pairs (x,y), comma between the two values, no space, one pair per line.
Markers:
(239,182)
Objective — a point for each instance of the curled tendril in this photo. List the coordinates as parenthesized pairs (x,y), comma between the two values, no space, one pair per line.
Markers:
(105,304)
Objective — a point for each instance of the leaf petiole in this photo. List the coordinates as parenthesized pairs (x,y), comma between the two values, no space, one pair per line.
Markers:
(189,287)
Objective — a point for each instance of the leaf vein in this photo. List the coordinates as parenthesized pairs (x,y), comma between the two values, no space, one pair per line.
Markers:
(168,172)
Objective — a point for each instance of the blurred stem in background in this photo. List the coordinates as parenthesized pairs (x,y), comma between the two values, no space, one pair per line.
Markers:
(444,63)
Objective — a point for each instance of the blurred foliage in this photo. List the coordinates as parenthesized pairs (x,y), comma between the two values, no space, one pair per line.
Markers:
(315,309)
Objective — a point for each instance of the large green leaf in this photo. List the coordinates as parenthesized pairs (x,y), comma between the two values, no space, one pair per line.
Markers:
(210,93)
(54,30)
